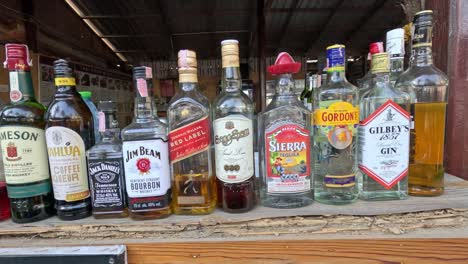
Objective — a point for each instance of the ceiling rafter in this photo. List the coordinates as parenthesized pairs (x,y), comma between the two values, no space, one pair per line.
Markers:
(294,5)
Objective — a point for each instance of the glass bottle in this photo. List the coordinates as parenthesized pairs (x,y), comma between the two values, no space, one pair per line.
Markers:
(4,201)
(233,115)
(335,142)
(146,155)
(285,147)
(427,87)
(384,134)
(23,144)
(364,83)
(86,95)
(105,167)
(194,185)
(69,133)
(307,90)
(396,49)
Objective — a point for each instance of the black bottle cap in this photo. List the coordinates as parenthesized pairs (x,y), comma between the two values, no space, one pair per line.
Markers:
(61,68)
(423,18)
(142,72)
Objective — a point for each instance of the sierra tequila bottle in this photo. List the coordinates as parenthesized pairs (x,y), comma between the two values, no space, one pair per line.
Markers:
(194,186)
(384,134)
(427,87)
(284,133)
(335,139)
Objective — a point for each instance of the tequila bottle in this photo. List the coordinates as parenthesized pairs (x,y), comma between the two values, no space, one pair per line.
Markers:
(427,87)
(23,145)
(384,134)
(285,148)
(69,133)
(396,49)
(335,142)
(233,115)
(194,186)
(146,155)
(105,166)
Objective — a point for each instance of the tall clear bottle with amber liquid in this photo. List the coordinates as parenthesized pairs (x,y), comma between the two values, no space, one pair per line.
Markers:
(23,144)
(427,87)
(194,185)
(146,155)
(233,119)
(69,133)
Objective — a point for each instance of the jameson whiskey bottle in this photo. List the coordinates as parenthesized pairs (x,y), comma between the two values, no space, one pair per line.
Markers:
(23,144)
(285,148)
(146,155)
(69,133)
(427,87)
(105,165)
(233,115)
(384,135)
(194,185)
(336,120)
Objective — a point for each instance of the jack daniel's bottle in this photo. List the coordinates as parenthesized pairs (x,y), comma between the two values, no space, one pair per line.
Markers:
(69,133)
(146,154)
(23,143)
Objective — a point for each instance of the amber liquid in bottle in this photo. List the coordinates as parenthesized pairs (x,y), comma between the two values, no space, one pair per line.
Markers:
(427,156)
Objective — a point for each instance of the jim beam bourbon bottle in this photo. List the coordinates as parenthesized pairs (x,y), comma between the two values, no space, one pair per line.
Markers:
(69,133)
(194,185)
(23,144)
(146,154)
(233,115)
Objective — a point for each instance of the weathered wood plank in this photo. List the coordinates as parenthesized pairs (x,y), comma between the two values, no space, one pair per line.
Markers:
(306,251)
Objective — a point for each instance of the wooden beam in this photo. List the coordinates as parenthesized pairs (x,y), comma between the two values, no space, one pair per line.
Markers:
(434,251)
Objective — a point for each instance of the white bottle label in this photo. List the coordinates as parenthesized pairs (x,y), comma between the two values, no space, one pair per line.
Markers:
(384,144)
(67,158)
(146,166)
(233,139)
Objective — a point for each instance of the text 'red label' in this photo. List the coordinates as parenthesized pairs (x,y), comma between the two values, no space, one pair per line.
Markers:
(287,159)
(189,140)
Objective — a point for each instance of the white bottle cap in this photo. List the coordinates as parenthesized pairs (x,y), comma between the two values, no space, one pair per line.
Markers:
(396,41)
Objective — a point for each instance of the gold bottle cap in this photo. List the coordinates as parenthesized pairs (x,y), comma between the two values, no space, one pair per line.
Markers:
(230,53)
(187,59)
(380,62)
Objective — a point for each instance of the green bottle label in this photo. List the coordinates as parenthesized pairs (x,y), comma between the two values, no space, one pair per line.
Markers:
(20,85)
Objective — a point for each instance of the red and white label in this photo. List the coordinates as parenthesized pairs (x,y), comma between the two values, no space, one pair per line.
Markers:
(384,144)
(189,140)
(142,87)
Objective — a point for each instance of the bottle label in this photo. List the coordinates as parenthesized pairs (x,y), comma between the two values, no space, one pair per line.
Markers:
(189,140)
(65,81)
(338,122)
(25,161)
(287,159)
(20,85)
(147,175)
(234,148)
(422,35)
(190,188)
(67,160)
(384,144)
(106,178)
(336,58)
(340,181)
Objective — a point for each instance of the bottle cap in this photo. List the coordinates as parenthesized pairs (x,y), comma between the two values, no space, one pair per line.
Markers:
(396,41)
(284,64)
(380,63)
(86,94)
(423,18)
(187,59)
(336,55)
(376,47)
(142,72)
(17,57)
(230,53)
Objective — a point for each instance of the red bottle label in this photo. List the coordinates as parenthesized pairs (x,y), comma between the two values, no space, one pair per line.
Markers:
(288,159)
(189,140)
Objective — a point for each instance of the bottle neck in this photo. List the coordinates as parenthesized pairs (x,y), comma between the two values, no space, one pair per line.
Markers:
(231,80)
(336,76)
(145,109)
(285,85)
(421,51)
(108,128)
(188,87)
(66,85)
(421,56)
(21,86)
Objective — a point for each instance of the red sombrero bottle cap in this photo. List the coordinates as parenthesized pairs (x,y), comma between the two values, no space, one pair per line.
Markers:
(284,64)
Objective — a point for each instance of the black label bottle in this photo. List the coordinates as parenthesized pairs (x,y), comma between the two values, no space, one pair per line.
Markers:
(69,133)
(23,144)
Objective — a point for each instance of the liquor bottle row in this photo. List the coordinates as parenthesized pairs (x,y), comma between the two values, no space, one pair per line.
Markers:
(204,157)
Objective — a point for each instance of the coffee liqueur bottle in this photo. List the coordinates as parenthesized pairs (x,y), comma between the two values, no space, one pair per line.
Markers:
(384,135)
(146,155)
(23,145)
(285,142)
(194,185)
(105,165)
(69,133)
(335,134)
(427,87)
(233,115)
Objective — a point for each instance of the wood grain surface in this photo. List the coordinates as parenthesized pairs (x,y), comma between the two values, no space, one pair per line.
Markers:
(322,251)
